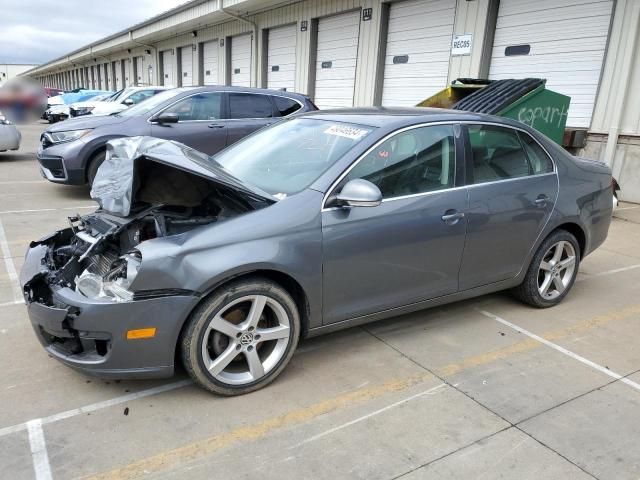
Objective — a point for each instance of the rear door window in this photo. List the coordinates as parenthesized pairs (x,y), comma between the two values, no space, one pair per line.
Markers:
(248,105)
(538,158)
(286,106)
(497,154)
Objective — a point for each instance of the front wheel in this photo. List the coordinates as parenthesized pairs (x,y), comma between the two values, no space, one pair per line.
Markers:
(552,272)
(94,164)
(241,337)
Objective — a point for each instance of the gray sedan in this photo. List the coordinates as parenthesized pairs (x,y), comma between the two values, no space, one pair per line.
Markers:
(205,118)
(318,223)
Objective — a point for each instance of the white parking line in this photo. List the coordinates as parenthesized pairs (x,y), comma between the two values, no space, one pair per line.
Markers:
(36,210)
(8,263)
(563,350)
(39,454)
(608,272)
(97,406)
(431,391)
(16,302)
(626,208)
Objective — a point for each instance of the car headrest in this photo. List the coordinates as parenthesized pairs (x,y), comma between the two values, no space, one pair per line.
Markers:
(406,145)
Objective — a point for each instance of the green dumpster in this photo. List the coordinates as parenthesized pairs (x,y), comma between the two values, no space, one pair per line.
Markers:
(526,100)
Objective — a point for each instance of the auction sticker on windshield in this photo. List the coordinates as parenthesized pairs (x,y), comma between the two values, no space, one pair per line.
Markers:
(353,133)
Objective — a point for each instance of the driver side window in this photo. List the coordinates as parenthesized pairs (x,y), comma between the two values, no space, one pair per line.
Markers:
(203,106)
(417,160)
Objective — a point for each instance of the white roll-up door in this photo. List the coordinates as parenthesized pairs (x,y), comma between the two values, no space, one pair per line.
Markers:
(418,48)
(241,60)
(186,66)
(167,69)
(336,60)
(127,67)
(210,63)
(107,77)
(119,80)
(140,71)
(281,58)
(563,41)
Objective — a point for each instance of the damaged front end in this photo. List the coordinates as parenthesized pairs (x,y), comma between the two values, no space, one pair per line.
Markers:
(80,282)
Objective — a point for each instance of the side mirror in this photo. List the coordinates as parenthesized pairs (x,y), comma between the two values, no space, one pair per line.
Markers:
(164,118)
(359,193)
(128,102)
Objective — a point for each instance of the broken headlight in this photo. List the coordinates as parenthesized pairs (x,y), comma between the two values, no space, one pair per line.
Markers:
(115,285)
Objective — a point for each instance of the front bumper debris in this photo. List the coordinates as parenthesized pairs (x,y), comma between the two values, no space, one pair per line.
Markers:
(90,335)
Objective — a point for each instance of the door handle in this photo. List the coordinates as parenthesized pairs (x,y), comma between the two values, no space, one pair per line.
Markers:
(451,217)
(215,125)
(541,200)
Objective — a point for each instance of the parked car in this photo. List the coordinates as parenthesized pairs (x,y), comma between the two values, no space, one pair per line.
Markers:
(10,136)
(320,222)
(205,118)
(52,92)
(60,108)
(616,188)
(115,103)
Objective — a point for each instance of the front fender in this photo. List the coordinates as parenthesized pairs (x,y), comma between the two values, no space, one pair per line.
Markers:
(285,237)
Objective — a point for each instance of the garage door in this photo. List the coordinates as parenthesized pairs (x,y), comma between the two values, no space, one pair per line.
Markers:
(107,77)
(563,41)
(336,60)
(186,66)
(281,61)
(417,56)
(210,63)
(139,75)
(118,72)
(241,60)
(167,69)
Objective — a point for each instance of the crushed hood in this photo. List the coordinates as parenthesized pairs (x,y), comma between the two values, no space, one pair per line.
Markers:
(144,171)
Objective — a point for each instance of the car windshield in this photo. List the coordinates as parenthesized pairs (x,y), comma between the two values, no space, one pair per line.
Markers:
(117,95)
(289,156)
(150,103)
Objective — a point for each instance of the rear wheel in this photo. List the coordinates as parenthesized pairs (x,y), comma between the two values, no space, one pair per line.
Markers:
(552,272)
(241,337)
(95,162)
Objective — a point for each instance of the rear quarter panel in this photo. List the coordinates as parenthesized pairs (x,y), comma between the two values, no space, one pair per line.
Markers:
(585,196)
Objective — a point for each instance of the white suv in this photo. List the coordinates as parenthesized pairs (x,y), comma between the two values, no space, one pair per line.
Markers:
(116,103)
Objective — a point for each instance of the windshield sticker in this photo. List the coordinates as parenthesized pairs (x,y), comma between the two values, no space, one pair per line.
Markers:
(348,132)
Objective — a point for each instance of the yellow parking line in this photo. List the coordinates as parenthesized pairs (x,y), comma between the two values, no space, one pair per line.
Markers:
(530,344)
(207,446)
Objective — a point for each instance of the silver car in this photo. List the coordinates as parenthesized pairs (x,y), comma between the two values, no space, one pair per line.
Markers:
(10,136)
(320,222)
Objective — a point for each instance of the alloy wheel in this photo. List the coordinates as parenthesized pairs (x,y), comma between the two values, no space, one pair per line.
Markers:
(557,269)
(246,339)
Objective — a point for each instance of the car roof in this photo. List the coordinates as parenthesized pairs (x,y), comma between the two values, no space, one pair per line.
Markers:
(267,91)
(400,116)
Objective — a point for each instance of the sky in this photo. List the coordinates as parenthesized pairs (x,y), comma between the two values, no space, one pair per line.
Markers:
(36,31)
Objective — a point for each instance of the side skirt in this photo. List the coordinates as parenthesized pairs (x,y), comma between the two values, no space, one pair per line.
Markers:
(414,307)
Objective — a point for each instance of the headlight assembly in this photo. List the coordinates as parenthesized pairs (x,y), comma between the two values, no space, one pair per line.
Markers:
(78,112)
(115,285)
(66,136)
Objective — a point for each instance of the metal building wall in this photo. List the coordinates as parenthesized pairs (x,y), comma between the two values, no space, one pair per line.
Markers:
(614,136)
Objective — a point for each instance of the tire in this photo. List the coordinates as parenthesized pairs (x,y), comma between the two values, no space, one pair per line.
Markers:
(223,337)
(545,270)
(94,163)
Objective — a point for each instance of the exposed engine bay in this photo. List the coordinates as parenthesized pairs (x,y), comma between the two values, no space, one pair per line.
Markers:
(141,198)
(97,256)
